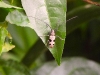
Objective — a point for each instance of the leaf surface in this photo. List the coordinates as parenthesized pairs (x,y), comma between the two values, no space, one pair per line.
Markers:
(42,13)
(5,39)
(5,5)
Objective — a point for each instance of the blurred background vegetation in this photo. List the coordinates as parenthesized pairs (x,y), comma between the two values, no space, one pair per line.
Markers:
(82,40)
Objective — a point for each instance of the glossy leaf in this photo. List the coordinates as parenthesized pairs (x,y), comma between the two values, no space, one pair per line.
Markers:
(51,12)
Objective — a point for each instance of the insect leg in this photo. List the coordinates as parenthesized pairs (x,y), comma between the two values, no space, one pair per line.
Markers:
(43,35)
(46,40)
(59,37)
(41,21)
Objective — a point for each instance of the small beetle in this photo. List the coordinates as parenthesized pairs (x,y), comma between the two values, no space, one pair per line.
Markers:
(52,35)
(52,38)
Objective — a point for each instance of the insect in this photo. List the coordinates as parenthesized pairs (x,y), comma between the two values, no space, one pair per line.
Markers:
(52,35)
(92,2)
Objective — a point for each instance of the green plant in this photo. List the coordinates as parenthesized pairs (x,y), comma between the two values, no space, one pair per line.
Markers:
(21,22)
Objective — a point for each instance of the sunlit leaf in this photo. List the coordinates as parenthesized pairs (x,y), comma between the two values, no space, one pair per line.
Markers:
(18,18)
(5,44)
(53,13)
(8,43)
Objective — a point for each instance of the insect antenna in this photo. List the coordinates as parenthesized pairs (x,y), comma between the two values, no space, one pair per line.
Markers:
(71,18)
(41,21)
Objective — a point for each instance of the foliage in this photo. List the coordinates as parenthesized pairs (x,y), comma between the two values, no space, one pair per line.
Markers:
(21,22)
(69,66)
(12,68)
(51,17)
(5,39)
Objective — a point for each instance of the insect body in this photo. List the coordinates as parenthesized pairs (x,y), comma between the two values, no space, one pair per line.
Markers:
(52,35)
(52,38)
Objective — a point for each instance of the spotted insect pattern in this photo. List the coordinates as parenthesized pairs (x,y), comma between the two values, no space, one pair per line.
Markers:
(52,35)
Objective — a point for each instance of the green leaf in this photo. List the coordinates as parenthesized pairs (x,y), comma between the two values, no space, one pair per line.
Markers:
(4,5)
(12,68)
(53,13)
(7,43)
(23,39)
(69,66)
(18,18)
(5,39)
